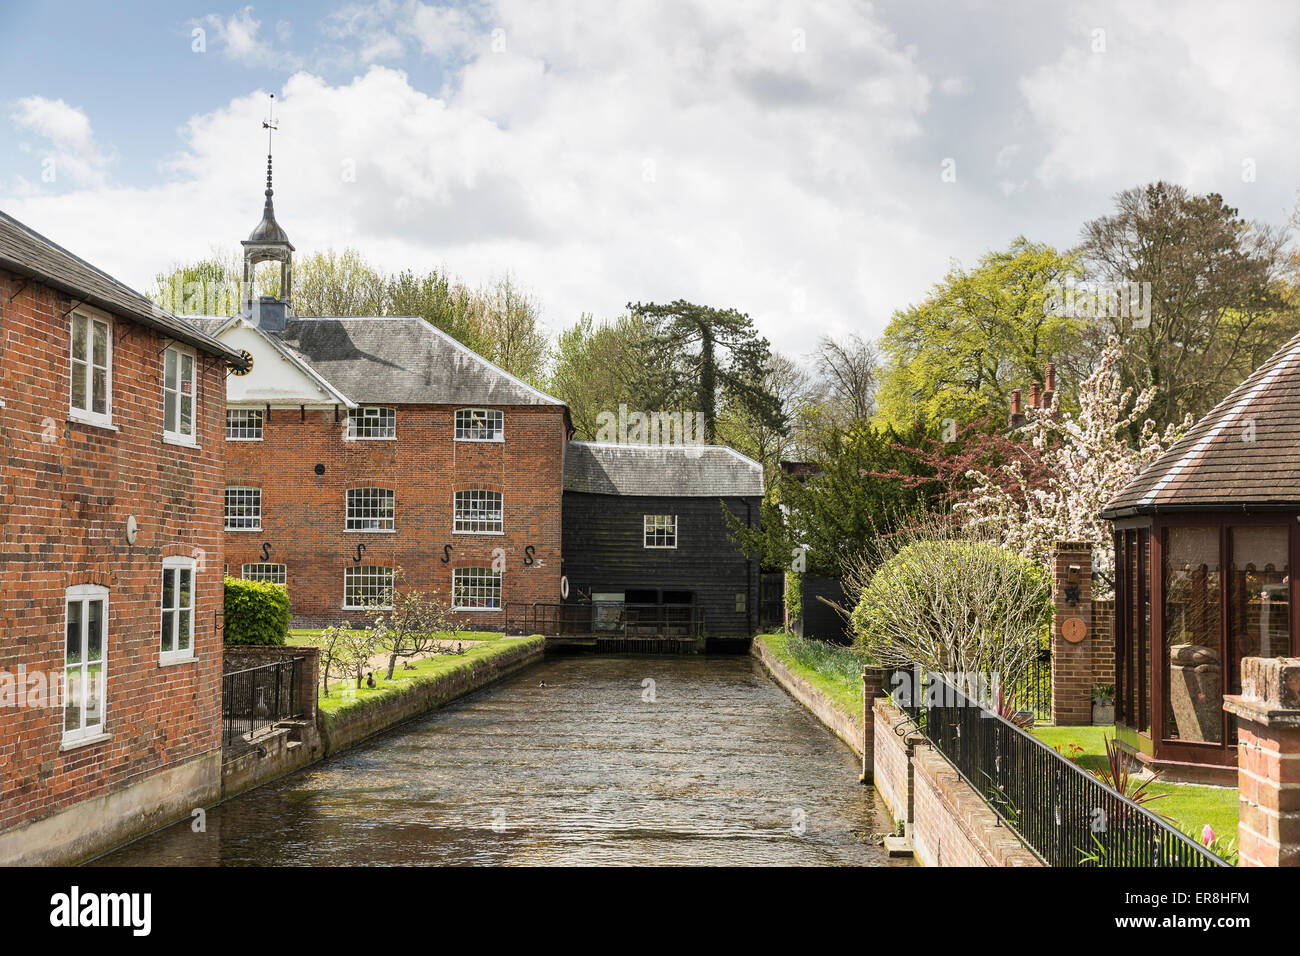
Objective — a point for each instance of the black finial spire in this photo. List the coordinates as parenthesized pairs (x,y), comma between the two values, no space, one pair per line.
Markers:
(268,230)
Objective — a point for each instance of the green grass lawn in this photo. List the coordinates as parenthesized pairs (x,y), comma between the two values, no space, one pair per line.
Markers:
(1190,805)
(835,670)
(425,668)
(301,636)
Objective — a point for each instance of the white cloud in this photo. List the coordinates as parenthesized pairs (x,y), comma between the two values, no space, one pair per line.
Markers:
(238,37)
(71,152)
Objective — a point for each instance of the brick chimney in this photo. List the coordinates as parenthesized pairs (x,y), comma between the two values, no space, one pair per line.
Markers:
(1049,388)
(1017,414)
(1034,396)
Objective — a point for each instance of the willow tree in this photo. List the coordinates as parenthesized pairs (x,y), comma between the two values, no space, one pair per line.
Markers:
(706,355)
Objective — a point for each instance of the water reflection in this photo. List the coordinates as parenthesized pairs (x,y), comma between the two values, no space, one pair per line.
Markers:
(565,763)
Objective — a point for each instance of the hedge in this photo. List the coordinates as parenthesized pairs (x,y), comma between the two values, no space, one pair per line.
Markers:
(257,612)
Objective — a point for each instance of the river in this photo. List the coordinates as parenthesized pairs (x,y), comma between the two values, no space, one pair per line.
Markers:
(593,760)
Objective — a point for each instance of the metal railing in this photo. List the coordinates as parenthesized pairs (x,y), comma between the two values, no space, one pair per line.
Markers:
(586,620)
(256,697)
(1064,814)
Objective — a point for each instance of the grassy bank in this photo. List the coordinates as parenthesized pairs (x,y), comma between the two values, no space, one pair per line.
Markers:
(426,669)
(301,636)
(1189,805)
(835,671)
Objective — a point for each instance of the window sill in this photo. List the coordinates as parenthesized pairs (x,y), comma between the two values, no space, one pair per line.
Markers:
(243,529)
(80,742)
(104,423)
(174,661)
(479,532)
(490,610)
(368,607)
(180,441)
(375,438)
(243,439)
(484,441)
(370,531)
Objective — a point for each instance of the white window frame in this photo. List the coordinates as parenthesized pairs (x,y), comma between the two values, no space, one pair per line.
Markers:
(462,512)
(87,415)
(261,424)
(651,528)
(176,436)
(226,512)
(463,431)
(364,412)
(175,566)
(460,588)
(367,571)
(84,594)
(277,573)
(353,512)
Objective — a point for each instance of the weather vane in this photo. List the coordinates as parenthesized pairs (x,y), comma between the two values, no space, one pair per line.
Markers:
(268,124)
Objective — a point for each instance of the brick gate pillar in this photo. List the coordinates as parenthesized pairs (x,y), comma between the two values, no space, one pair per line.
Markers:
(873,686)
(1268,761)
(1072,633)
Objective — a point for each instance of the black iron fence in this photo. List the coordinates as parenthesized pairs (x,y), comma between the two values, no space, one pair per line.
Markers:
(614,620)
(1064,814)
(256,697)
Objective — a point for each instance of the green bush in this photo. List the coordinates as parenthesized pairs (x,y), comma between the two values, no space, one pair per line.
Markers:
(257,612)
(793,595)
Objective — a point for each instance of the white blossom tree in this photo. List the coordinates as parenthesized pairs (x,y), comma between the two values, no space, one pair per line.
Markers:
(1090,457)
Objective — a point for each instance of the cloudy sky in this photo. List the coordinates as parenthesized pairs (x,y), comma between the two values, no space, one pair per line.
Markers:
(817,165)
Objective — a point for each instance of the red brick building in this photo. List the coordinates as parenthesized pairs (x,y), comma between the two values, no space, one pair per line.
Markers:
(112,427)
(364,451)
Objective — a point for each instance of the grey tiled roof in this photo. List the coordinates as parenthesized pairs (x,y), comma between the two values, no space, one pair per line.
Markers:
(401,360)
(684,471)
(26,252)
(1244,454)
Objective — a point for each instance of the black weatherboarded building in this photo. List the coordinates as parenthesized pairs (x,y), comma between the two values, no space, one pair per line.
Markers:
(645,540)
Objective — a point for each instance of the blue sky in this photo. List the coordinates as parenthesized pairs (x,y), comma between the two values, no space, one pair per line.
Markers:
(781,157)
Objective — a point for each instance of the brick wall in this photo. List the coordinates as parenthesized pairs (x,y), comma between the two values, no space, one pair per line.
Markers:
(1078,666)
(66,490)
(303,513)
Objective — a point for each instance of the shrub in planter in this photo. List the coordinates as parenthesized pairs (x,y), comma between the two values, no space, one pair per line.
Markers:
(256,612)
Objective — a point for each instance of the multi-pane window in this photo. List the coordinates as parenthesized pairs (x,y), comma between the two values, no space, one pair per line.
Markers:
(243,509)
(243,424)
(367,586)
(84,660)
(660,531)
(479,424)
(370,509)
(92,367)
(476,589)
(176,635)
(371,422)
(478,511)
(262,571)
(178,394)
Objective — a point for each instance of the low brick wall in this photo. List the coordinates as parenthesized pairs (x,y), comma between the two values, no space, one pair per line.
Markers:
(848,727)
(340,731)
(948,822)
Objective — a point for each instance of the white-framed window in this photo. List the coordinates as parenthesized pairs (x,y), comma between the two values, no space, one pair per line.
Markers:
(243,509)
(660,531)
(85,662)
(262,571)
(480,424)
(372,422)
(176,633)
(244,424)
(92,368)
(367,586)
(178,394)
(476,589)
(370,509)
(478,512)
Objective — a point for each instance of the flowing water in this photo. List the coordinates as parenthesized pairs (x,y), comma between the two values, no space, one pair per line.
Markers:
(576,760)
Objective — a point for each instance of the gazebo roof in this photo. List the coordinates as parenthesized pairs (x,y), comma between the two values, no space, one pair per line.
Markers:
(1243,456)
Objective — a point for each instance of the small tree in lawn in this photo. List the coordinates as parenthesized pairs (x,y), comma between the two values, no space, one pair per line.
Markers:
(1089,459)
(330,642)
(944,597)
(415,625)
(355,647)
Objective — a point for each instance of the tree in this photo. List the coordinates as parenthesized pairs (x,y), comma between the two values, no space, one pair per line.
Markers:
(415,625)
(847,371)
(1089,460)
(704,353)
(330,283)
(354,648)
(596,368)
(209,286)
(511,329)
(958,354)
(1216,303)
(753,434)
(330,643)
(434,297)
(952,601)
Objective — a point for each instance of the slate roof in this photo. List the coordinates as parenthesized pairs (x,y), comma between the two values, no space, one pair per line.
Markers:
(26,252)
(1243,455)
(682,471)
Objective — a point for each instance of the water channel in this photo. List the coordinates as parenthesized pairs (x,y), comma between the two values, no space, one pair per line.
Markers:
(586,759)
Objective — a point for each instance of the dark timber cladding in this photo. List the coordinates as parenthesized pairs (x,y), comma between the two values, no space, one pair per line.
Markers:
(644,525)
